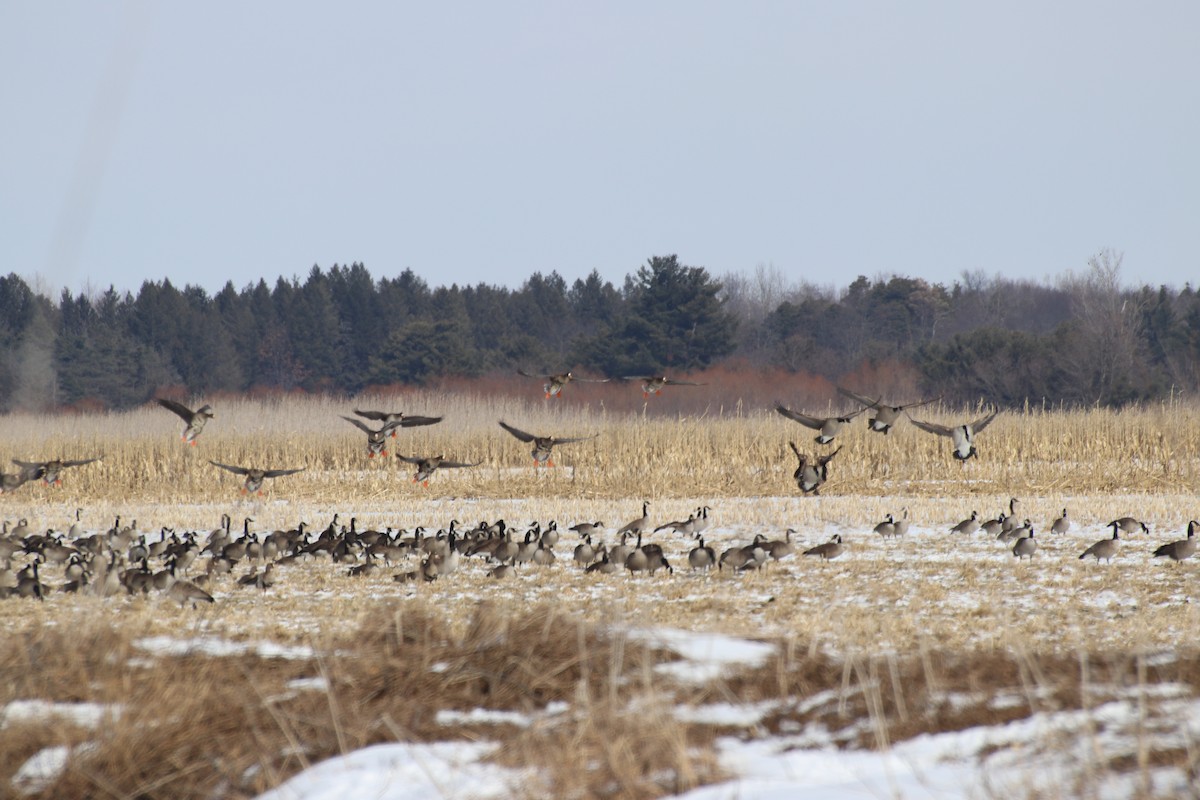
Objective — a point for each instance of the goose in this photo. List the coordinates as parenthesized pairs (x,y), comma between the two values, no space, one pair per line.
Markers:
(827,427)
(968,525)
(901,524)
(640,525)
(994,527)
(1183,548)
(701,556)
(700,523)
(501,571)
(654,384)
(781,548)
(963,436)
(12,482)
(196,420)
(427,465)
(395,419)
(376,439)
(1016,533)
(585,553)
(1010,520)
(885,415)
(255,476)
(620,552)
(1062,524)
(555,383)
(831,549)
(543,446)
(588,528)
(887,527)
(1128,525)
(605,566)
(1025,547)
(811,474)
(685,526)
(184,592)
(1105,548)
(51,471)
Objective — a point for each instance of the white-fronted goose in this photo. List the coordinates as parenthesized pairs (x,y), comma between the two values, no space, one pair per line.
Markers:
(543,445)
(885,415)
(554,383)
(1183,548)
(963,436)
(376,439)
(195,420)
(396,419)
(427,465)
(254,476)
(826,427)
(654,384)
(51,471)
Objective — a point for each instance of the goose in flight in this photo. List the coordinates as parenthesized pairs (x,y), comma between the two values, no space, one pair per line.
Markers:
(255,477)
(195,420)
(885,415)
(396,419)
(543,445)
(963,436)
(427,465)
(826,427)
(555,382)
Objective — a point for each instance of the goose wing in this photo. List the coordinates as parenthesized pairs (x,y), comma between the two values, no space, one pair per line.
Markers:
(275,473)
(933,427)
(861,399)
(362,426)
(569,439)
(517,432)
(378,416)
(79,462)
(179,408)
(981,423)
(231,468)
(412,422)
(455,464)
(815,423)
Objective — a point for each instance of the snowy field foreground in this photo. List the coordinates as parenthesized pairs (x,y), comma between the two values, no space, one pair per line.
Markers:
(930,665)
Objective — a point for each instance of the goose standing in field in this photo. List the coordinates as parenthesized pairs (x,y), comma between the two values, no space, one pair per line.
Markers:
(826,427)
(427,465)
(1128,525)
(392,420)
(555,383)
(196,420)
(1062,524)
(901,525)
(886,528)
(968,525)
(885,415)
(963,436)
(376,439)
(1103,549)
(701,556)
(543,446)
(811,473)
(1025,547)
(684,526)
(654,384)
(831,549)
(51,471)
(1182,549)
(637,527)
(255,477)
(588,528)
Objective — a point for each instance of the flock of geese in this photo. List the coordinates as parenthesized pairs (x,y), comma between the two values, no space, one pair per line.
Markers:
(126,560)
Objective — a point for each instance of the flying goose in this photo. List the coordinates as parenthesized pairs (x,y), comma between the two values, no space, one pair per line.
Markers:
(195,419)
(831,549)
(885,415)
(555,382)
(376,439)
(654,384)
(827,427)
(395,419)
(543,446)
(12,482)
(51,470)
(1105,548)
(254,476)
(427,465)
(811,474)
(963,436)
(1183,548)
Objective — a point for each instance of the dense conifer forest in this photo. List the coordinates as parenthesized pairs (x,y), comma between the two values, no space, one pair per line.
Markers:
(1081,339)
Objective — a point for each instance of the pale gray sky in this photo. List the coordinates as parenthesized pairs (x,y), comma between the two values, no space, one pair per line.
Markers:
(218,141)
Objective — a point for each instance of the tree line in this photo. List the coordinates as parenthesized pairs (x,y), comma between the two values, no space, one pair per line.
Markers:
(1083,339)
